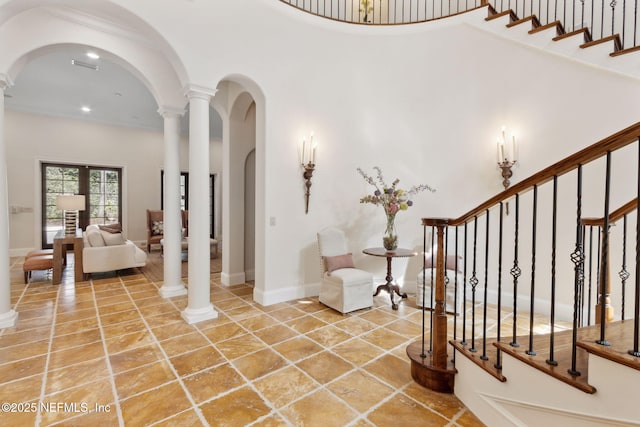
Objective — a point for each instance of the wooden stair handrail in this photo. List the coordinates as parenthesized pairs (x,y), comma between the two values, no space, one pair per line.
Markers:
(623,210)
(611,143)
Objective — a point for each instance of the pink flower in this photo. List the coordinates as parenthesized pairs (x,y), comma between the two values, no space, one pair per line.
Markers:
(392,208)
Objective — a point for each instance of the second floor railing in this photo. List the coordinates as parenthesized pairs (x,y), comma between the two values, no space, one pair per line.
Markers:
(599,19)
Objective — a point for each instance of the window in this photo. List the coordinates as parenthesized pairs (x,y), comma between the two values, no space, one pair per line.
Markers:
(101,186)
(184,196)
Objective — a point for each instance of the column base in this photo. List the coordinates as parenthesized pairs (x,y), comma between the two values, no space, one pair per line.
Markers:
(192,316)
(8,319)
(169,291)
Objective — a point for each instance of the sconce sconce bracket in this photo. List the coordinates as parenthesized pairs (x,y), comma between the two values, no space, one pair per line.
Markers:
(307,174)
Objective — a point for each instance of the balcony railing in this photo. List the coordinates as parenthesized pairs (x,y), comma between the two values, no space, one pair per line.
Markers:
(599,19)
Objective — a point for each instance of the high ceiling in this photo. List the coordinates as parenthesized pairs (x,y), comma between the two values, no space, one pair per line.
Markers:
(50,84)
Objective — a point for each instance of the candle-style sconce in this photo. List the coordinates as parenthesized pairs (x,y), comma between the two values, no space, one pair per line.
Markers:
(308,163)
(507,158)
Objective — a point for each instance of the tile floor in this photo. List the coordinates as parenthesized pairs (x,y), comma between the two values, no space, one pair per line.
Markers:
(110,352)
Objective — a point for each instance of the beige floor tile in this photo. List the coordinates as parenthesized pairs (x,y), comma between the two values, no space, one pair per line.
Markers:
(184,419)
(91,394)
(391,369)
(237,408)
(208,384)
(358,351)
(275,334)
(21,390)
(255,323)
(154,405)
(384,339)
(313,411)
(260,363)
(285,386)
(378,317)
(22,368)
(183,343)
(305,324)
(135,358)
(403,411)
(120,317)
(355,325)
(224,332)
(329,336)
(77,354)
(76,374)
(360,390)
(23,351)
(144,378)
(324,367)
(110,331)
(198,360)
(287,313)
(443,403)
(239,346)
(297,348)
(129,341)
(172,330)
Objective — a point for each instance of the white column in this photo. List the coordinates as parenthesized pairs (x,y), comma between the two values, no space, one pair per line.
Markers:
(8,316)
(199,307)
(172,285)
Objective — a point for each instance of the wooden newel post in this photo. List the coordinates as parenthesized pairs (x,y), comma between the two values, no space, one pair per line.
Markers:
(433,369)
(439,333)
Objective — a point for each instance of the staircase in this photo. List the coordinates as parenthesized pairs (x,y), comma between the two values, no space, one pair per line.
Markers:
(526,269)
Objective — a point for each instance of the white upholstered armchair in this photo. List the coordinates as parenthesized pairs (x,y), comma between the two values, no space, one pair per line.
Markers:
(344,287)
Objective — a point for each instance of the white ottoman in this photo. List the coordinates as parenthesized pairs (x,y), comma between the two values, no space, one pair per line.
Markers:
(450,290)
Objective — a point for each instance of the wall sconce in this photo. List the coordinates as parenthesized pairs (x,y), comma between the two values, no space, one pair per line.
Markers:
(507,158)
(70,204)
(308,163)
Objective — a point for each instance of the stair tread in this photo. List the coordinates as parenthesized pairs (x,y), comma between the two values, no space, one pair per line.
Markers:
(620,336)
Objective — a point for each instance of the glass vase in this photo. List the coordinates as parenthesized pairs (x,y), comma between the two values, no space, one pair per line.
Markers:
(390,238)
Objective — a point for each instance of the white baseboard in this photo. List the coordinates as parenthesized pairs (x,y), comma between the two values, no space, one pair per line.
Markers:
(285,294)
(232,279)
(250,275)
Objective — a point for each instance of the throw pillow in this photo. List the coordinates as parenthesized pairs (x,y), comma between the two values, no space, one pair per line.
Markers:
(332,263)
(111,228)
(95,238)
(157,227)
(449,262)
(112,239)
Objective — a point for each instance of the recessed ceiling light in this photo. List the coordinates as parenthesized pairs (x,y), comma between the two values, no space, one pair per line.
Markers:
(117,94)
(84,64)
(93,55)
(86,109)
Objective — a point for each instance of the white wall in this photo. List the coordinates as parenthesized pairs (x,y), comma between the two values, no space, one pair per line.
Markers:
(32,139)
(424,102)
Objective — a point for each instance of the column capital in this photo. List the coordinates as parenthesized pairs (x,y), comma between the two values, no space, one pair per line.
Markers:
(170,111)
(5,81)
(201,92)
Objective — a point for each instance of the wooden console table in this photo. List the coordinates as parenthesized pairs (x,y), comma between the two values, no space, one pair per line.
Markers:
(390,286)
(60,242)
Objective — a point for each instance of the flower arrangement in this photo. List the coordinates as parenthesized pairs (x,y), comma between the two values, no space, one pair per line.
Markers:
(392,199)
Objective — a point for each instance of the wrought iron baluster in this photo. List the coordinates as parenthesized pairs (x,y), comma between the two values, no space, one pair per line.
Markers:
(423,354)
(486,286)
(498,364)
(464,289)
(515,273)
(590,274)
(624,274)
(474,284)
(635,351)
(531,351)
(554,216)
(455,296)
(604,264)
(613,14)
(577,257)
(433,285)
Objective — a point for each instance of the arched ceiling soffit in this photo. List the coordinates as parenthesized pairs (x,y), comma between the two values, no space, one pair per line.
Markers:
(117,33)
(240,93)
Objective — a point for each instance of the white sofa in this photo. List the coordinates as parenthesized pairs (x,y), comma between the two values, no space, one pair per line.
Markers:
(107,251)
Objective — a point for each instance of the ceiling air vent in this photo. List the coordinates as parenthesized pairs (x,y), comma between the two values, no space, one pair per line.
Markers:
(84,64)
